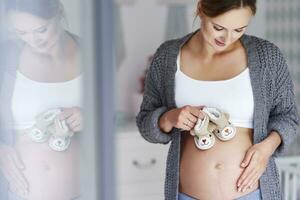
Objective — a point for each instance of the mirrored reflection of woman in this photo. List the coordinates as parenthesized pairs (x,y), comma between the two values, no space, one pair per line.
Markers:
(40,104)
(219,66)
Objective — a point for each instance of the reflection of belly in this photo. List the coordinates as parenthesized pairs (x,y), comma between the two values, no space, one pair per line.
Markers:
(50,174)
(213,173)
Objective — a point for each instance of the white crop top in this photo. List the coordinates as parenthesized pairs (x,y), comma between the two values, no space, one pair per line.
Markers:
(233,96)
(30,98)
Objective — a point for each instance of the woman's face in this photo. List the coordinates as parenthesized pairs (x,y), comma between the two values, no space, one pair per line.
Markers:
(39,33)
(222,31)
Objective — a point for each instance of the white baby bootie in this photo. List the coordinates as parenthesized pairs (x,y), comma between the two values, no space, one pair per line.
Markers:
(39,132)
(224,130)
(203,137)
(61,135)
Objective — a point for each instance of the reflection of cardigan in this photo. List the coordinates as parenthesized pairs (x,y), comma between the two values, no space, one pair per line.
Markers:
(9,54)
(10,51)
(274,106)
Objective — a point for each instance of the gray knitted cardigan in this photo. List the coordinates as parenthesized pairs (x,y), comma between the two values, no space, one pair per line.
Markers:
(274,106)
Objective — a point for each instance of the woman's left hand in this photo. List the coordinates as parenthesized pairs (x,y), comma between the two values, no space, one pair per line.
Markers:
(254,164)
(73,117)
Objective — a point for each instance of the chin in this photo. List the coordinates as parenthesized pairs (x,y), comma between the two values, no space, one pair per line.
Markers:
(218,48)
(40,50)
(43,50)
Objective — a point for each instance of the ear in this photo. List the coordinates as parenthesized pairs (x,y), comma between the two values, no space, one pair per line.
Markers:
(200,13)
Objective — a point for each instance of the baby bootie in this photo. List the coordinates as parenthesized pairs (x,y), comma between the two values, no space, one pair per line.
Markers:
(224,130)
(61,135)
(39,132)
(203,137)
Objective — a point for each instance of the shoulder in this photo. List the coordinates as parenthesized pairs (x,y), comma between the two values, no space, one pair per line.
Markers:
(75,37)
(170,48)
(265,49)
(174,44)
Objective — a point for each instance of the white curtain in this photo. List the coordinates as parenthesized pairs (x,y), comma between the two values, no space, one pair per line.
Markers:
(283,28)
(119,44)
(176,22)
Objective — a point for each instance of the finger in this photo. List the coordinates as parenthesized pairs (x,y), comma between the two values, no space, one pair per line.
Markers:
(71,119)
(15,172)
(244,175)
(192,118)
(200,107)
(185,127)
(253,181)
(17,160)
(14,180)
(188,123)
(244,183)
(77,128)
(65,114)
(195,112)
(14,190)
(247,158)
(19,177)
(18,192)
(74,124)
(12,172)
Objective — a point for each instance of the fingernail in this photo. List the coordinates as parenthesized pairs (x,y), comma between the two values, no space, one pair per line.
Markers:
(239,189)
(243,164)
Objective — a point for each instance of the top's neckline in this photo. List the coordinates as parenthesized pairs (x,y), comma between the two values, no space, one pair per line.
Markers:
(20,74)
(208,81)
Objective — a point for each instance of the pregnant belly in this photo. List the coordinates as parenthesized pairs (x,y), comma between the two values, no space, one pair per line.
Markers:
(50,174)
(213,173)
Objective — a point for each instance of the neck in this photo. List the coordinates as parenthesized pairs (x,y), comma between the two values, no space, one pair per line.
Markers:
(204,48)
(58,52)
(61,49)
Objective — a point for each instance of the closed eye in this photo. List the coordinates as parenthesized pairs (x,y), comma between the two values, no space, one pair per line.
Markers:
(41,30)
(238,30)
(20,32)
(218,28)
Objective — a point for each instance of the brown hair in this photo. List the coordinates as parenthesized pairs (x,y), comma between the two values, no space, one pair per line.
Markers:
(213,8)
(46,9)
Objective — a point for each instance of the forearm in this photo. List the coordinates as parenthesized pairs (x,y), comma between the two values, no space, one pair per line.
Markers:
(165,124)
(272,141)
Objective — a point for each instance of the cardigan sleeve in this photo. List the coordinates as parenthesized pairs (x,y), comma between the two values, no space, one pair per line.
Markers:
(284,116)
(152,107)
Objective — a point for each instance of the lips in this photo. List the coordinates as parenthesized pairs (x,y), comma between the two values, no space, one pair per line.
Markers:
(42,45)
(39,46)
(219,43)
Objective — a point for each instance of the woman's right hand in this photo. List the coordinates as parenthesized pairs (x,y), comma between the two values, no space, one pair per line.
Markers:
(11,167)
(184,118)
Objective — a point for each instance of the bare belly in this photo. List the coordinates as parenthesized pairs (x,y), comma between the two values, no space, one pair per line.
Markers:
(213,173)
(50,174)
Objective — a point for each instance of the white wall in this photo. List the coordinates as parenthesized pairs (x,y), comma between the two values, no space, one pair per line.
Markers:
(144,25)
(73,15)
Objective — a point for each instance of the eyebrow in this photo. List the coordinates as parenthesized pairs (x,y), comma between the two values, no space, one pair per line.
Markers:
(226,28)
(18,30)
(35,29)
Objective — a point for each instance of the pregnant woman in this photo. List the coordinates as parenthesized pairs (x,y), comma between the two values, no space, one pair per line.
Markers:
(247,77)
(40,104)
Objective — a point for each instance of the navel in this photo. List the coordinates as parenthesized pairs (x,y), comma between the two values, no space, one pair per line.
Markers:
(219,166)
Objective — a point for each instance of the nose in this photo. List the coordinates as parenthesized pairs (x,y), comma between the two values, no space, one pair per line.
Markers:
(226,37)
(33,39)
